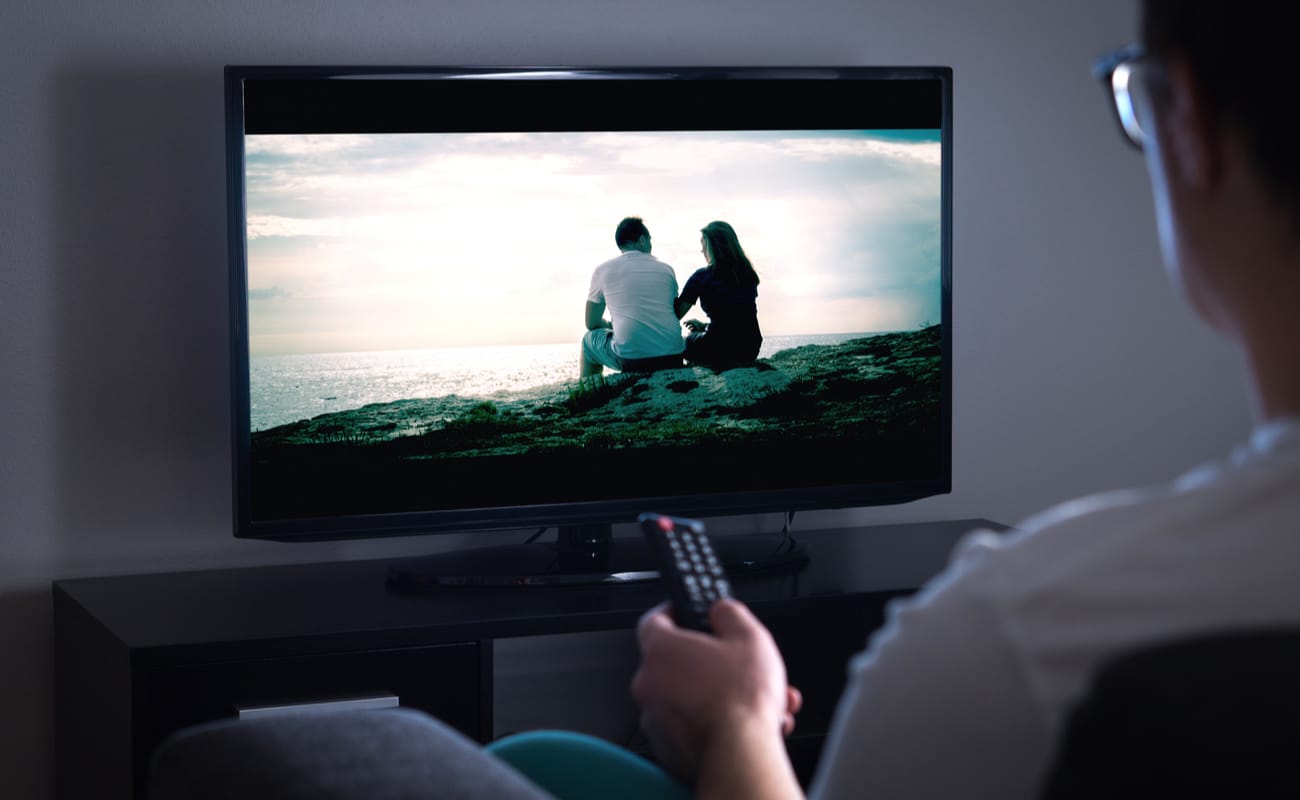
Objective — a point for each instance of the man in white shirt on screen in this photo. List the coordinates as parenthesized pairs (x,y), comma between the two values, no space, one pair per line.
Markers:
(639,290)
(965,690)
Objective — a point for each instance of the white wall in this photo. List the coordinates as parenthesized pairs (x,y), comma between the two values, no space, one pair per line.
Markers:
(1076,366)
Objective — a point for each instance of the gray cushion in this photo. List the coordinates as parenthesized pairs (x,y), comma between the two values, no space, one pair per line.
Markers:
(396,754)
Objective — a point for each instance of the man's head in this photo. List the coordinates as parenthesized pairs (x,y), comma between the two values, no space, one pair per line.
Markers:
(632,234)
(1213,112)
(1241,56)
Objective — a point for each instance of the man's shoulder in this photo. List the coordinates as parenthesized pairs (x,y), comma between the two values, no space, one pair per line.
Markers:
(1085,533)
(609,262)
(1084,522)
(633,258)
(648,260)
(1221,519)
(605,269)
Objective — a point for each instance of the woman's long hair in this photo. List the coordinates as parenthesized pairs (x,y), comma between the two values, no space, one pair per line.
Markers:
(728,258)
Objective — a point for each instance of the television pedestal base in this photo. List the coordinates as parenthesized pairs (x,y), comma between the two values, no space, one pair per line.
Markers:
(138,657)
(584,556)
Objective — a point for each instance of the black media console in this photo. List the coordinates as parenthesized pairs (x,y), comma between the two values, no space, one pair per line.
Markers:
(138,657)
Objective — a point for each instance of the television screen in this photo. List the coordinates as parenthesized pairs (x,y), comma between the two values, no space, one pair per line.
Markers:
(412,258)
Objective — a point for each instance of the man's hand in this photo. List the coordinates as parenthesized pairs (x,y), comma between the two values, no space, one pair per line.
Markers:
(695,325)
(704,698)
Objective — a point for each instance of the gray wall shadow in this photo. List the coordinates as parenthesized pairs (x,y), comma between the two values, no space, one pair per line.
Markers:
(142,386)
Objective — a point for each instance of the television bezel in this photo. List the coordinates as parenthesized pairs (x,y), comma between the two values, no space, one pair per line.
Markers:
(580,513)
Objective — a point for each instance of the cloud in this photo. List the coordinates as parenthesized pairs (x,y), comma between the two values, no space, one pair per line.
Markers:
(824,149)
(303,145)
(261,226)
(447,231)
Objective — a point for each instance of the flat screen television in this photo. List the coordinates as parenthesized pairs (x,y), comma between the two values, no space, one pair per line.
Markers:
(411,252)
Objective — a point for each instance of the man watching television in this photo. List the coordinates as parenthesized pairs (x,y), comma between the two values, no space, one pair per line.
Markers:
(963,693)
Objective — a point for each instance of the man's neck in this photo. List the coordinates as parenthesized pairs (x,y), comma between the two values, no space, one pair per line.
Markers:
(1250,262)
(1266,329)
(1274,367)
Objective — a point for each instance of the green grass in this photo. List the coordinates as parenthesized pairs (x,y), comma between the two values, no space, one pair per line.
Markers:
(594,392)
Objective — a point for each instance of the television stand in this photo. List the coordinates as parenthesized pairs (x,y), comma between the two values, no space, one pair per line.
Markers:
(584,555)
(137,657)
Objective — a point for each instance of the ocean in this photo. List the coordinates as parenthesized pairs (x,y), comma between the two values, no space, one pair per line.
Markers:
(288,388)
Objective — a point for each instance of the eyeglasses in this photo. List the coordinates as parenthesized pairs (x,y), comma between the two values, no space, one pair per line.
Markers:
(1120,72)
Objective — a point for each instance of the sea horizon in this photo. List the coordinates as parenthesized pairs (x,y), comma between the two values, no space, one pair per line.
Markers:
(287,388)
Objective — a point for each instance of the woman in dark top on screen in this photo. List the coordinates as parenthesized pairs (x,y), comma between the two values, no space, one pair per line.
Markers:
(727,290)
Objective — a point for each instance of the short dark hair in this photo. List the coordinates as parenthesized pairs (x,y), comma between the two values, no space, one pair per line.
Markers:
(1242,55)
(628,231)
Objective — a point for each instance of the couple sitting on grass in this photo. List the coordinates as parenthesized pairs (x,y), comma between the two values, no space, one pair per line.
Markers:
(640,291)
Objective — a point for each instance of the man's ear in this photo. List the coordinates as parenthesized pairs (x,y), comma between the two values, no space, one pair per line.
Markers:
(1192,137)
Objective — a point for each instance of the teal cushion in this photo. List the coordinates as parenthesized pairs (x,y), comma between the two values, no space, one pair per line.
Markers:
(575,766)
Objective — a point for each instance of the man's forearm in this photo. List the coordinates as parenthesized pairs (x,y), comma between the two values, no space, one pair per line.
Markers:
(747,760)
(595,317)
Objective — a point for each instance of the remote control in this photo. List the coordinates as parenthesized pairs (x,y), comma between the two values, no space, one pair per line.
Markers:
(689,567)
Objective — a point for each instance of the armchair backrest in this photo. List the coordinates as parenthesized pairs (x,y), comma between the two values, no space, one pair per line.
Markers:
(1212,716)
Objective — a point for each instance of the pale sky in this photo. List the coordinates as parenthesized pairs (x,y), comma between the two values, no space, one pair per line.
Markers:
(404,241)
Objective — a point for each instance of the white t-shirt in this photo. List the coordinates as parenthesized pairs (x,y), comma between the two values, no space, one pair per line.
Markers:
(639,290)
(966,688)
